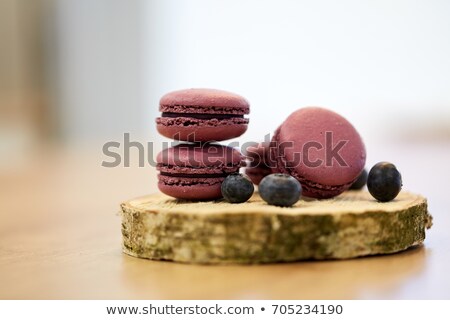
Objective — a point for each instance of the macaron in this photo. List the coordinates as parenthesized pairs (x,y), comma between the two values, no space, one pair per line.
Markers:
(258,167)
(321,149)
(196,171)
(202,115)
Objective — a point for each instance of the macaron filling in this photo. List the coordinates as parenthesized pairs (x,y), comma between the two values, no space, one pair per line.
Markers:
(204,109)
(200,115)
(186,121)
(206,170)
(193,175)
(184,181)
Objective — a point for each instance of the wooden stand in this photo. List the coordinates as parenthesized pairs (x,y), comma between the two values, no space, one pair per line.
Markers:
(350,225)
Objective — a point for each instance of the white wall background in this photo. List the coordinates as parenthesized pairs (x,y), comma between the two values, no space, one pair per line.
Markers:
(385,64)
(99,58)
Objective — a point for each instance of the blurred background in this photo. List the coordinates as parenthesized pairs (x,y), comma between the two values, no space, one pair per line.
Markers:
(76,71)
(75,74)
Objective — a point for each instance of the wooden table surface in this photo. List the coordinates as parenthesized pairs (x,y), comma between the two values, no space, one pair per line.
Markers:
(60,239)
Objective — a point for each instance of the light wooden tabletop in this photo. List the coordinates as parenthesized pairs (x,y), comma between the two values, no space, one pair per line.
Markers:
(60,239)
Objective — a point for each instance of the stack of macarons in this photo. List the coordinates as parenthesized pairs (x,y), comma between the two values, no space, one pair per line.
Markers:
(201,117)
(315,152)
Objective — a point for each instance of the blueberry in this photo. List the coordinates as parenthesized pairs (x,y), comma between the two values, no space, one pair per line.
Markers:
(237,188)
(360,182)
(384,181)
(280,189)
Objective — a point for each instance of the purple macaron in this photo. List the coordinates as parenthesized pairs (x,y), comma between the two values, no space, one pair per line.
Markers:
(319,148)
(196,171)
(259,166)
(201,115)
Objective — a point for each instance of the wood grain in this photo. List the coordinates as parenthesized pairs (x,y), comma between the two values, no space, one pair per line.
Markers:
(351,225)
(60,238)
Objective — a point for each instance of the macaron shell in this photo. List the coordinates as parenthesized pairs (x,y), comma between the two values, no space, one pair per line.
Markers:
(200,130)
(238,111)
(320,127)
(203,97)
(205,155)
(214,170)
(319,191)
(323,128)
(192,192)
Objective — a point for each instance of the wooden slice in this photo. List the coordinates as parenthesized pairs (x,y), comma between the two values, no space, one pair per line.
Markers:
(350,225)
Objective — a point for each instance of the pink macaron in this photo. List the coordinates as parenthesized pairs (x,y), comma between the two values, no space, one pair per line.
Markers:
(196,171)
(258,161)
(201,115)
(321,149)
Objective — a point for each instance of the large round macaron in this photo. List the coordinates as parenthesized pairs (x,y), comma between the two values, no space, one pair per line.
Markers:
(201,115)
(196,171)
(321,149)
(257,155)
